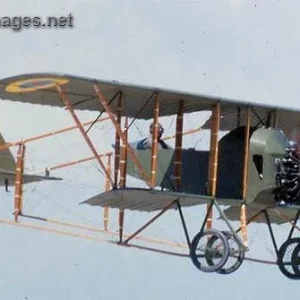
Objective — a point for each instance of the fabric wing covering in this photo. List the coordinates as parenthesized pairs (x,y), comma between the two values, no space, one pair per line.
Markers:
(146,200)
(10,176)
(40,88)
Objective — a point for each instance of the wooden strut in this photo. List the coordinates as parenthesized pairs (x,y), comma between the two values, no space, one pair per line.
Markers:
(68,104)
(78,161)
(97,239)
(178,146)
(123,171)
(75,162)
(105,240)
(197,129)
(213,159)
(19,181)
(66,129)
(106,107)
(48,134)
(117,142)
(150,222)
(21,185)
(286,218)
(154,148)
(118,161)
(243,212)
(107,188)
(123,159)
(107,232)
(275,119)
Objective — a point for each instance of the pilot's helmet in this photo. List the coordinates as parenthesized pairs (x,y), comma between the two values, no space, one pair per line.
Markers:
(160,129)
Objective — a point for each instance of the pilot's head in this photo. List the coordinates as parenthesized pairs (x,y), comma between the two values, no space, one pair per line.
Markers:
(160,129)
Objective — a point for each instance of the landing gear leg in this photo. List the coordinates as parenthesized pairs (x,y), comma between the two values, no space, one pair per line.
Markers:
(288,255)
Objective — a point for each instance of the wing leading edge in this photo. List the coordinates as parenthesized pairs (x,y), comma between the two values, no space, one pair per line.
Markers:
(141,199)
(40,88)
(145,200)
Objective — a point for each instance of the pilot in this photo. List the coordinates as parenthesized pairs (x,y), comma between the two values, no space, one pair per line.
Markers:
(146,143)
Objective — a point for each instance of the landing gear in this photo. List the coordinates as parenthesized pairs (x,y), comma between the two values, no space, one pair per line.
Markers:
(288,255)
(236,254)
(289,258)
(296,260)
(217,251)
(212,250)
(209,250)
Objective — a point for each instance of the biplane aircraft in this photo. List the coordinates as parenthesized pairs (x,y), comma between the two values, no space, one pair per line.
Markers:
(253,170)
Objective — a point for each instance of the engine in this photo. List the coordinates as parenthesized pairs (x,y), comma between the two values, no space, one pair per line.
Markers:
(288,177)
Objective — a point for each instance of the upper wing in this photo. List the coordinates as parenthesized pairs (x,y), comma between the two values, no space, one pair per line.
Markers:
(40,89)
(287,120)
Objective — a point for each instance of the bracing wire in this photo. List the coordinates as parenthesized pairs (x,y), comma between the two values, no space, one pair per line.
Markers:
(101,113)
(140,111)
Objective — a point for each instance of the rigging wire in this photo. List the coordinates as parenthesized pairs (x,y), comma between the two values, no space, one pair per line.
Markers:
(140,111)
(101,113)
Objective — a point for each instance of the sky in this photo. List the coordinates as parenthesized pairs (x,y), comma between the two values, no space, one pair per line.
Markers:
(235,49)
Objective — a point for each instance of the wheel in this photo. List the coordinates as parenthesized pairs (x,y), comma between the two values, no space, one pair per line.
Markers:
(236,254)
(296,260)
(285,256)
(217,253)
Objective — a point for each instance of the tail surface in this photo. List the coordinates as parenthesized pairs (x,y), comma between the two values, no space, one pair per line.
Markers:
(8,168)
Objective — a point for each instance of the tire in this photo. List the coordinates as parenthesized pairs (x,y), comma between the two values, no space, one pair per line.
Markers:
(291,274)
(296,260)
(209,253)
(230,268)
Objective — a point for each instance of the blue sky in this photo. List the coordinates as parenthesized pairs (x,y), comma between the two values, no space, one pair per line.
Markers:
(236,49)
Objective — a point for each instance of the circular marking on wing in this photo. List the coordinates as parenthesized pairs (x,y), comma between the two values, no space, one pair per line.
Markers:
(34,84)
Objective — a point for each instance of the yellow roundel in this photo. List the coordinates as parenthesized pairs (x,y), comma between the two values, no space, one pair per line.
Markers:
(33,84)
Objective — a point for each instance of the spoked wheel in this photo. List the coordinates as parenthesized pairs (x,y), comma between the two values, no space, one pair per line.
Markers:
(217,253)
(286,258)
(236,254)
(296,260)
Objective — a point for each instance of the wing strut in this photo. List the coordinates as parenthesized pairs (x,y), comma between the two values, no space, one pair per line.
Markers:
(19,181)
(243,212)
(154,141)
(107,188)
(68,104)
(213,159)
(120,161)
(123,169)
(117,143)
(103,101)
(178,146)
(150,221)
